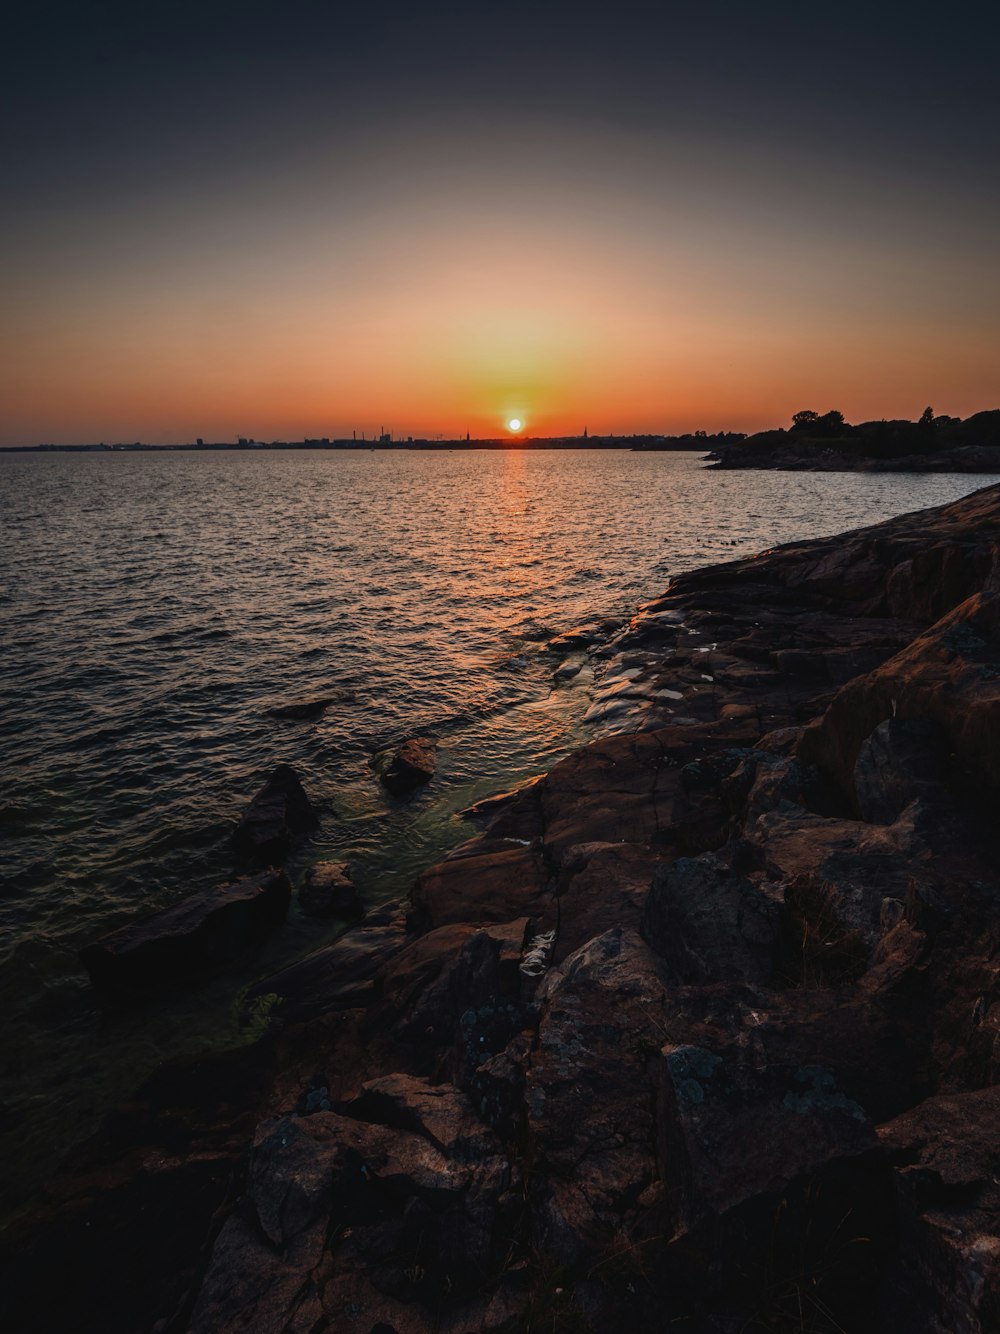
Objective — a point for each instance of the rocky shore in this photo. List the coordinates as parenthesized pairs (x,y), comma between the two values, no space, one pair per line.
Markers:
(700,1030)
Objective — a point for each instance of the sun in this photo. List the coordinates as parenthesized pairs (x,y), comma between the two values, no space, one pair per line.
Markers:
(514,424)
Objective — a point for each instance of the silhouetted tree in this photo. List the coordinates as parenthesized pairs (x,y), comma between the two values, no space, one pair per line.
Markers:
(927,417)
(802,420)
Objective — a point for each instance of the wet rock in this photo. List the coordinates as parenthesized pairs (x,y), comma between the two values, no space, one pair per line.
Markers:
(486,882)
(278,817)
(709,924)
(194,938)
(305,709)
(326,891)
(341,975)
(582,636)
(411,766)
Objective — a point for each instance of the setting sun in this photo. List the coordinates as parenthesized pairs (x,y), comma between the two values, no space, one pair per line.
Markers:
(515,424)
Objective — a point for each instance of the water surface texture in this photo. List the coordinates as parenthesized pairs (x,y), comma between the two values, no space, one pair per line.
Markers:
(157,608)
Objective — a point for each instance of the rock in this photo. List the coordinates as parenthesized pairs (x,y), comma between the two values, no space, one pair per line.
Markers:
(305,709)
(341,975)
(490,807)
(326,891)
(489,882)
(406,1224)
(588,1097)
(729,1133)
(567,671)
(439,1112)
(582,636)
(948,677)
(451,999)
(278,817)
(194,938)
(898,763)
(411,766)
(709,924)
(946,1278)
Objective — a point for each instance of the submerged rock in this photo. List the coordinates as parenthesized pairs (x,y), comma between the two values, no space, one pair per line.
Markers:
(305,709)
(411,766)
(326,891)
(193,938)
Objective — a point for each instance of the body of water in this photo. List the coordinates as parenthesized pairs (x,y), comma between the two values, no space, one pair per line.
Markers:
(156,609)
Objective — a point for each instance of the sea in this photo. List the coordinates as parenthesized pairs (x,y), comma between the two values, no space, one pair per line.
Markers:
(159,610)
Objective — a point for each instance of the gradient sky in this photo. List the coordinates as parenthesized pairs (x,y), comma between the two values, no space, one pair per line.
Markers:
(297,219)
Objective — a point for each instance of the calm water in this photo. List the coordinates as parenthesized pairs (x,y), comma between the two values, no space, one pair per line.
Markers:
(155,610)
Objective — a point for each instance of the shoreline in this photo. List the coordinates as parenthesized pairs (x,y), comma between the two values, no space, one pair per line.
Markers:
(734,952)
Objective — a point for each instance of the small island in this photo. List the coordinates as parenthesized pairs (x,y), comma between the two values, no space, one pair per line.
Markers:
(825,442)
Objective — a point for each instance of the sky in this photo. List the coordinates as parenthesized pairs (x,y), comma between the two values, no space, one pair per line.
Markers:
(304,219)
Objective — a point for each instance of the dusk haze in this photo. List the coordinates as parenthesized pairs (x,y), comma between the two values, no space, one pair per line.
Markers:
(499,667)
(222,221)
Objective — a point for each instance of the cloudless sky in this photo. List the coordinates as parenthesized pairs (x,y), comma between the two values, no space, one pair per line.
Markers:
(302,219)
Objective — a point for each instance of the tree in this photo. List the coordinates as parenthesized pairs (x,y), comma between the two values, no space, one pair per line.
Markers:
(927,417)
(802,420)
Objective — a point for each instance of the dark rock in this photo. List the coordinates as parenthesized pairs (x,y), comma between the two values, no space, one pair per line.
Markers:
(306,709)
(411,766)
(452,999)
(587,1097)
(278,817)
(898,763)
(948,677)
(194,938)
(326,891)
(567,671)
(709,924)
(582,636)
(341,975)
(728,1133)
(482,883)
(945,1155)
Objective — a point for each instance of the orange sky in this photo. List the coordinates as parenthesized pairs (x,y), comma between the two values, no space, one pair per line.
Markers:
(599,281)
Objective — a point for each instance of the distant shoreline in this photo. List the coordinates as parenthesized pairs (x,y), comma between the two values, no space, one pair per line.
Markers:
(640,443)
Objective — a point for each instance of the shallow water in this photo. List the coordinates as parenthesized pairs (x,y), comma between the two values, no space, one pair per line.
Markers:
(156,608)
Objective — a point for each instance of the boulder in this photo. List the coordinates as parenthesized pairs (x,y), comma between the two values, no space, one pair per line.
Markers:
(195,937)
(728,1133)
(944,1156)
(709,924)
(949,677)
(326,891)
(411,766)
(278,817)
